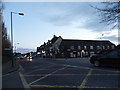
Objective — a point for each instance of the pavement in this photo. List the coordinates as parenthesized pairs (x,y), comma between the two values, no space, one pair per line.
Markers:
(11,77)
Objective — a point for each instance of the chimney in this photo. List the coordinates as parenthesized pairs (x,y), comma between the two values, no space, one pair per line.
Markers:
(54,36)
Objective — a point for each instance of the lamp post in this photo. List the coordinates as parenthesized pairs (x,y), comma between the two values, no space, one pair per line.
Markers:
(12,32)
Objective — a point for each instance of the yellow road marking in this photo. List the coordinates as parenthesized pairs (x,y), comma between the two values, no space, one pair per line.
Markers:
(37,70)
(76,66)
(47,75)
(57,86)
(102,87)
(118,71)
(71,74)
(86,79)
(24,82)
(62,86)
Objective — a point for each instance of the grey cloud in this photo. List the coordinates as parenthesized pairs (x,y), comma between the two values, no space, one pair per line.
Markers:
(61,14)
(70,12)
(94,25)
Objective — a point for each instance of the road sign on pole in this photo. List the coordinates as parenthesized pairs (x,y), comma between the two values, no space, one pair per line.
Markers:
(8,49)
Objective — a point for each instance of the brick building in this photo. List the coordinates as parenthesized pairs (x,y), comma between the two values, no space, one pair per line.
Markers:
(72,48)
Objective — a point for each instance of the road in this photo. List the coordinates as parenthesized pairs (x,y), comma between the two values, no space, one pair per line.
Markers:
(77,74)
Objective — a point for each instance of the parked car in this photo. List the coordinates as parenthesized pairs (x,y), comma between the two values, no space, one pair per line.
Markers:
(107,58)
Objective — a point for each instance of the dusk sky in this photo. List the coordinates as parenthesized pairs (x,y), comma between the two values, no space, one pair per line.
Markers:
(41,20)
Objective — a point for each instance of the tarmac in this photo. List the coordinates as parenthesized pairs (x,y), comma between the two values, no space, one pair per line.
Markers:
(11,77)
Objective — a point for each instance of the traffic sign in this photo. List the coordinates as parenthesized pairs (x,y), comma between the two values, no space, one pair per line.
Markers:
(7,48)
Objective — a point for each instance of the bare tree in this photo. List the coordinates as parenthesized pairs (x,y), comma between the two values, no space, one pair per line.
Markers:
(110,15)
(6,55)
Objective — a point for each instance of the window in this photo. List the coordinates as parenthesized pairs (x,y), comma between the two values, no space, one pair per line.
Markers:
(91,47)
(113,47)
(92,53)
(85,47)
(78,53)
(103,47)
(72,47)
(98,47)
(86,53)
(108,47)
(50,48)
(71,54)
(79,47)
(68,49)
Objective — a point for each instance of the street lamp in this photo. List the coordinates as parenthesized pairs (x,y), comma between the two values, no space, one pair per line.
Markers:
(12,31)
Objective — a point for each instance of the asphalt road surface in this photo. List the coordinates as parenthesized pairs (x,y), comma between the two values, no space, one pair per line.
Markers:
(77,74)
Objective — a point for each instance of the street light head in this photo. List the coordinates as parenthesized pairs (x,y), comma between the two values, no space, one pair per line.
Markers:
(21,14)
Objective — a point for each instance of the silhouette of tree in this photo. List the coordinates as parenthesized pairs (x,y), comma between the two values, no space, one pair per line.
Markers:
(110,13)
(6,54)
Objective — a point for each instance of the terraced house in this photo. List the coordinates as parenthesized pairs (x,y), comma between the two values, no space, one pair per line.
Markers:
(72,48)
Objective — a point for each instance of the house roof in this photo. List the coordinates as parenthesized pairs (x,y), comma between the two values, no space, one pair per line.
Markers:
(77,41)
(54,39)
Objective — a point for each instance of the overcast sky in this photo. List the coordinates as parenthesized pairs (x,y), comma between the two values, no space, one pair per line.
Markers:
(70,20)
